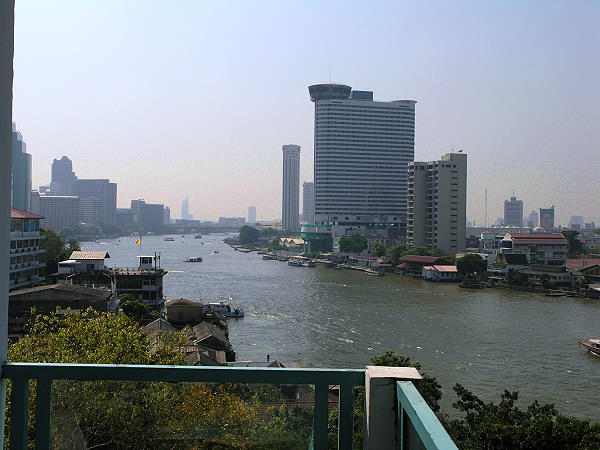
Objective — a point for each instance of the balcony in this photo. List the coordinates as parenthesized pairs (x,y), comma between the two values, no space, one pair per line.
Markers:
(396,416)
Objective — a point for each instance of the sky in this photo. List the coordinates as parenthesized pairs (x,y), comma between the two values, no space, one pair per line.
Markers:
(196,98)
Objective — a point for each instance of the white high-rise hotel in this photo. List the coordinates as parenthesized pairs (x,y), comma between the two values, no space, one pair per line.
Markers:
(290,208)
(362,151)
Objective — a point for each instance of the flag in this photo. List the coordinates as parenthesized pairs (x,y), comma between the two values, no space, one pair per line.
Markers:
(138,242)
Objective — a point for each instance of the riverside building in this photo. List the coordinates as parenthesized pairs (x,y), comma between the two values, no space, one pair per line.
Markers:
(362,150)
(290,205)
(437,203)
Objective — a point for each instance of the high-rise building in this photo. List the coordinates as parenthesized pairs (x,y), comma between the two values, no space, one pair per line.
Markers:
(532,219)
(21,173)
(437,203)
(290,208)
(91,210)
(185,209)
(59,211)
(547,218)
(167,215)
(308,202)
(63,178)
(513,212)
(251,215)
(102,190)
(148,216)
(362,151)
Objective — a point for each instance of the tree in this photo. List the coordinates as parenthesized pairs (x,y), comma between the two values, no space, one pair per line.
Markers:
(471,265)
(248,234)
(505,426)
(575,246)
(136,309)
(55,249)
(379,249)
(354,243)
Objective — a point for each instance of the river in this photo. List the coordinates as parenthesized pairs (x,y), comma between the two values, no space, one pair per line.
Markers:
(487,340)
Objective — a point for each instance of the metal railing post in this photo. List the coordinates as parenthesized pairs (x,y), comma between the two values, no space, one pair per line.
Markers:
(7,26)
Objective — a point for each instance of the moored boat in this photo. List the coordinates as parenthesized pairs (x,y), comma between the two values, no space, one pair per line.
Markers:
(169,239)
(198,236)
(592,345)
(223,308)
(193,259)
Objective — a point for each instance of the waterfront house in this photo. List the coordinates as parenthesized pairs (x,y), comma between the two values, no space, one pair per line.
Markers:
(413,264)
(440,273)
(546,251)
(83,262)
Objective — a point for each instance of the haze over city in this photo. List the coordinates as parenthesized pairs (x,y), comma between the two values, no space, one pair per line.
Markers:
(198,98)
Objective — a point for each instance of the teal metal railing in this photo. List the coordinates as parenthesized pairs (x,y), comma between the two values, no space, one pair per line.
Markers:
(414,415)
(414,412)
(44,374)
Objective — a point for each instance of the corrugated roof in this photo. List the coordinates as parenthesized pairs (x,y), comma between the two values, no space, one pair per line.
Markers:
(20,214)
(71,288)
(419,259)
(89,255)
(536,236)
(446,268)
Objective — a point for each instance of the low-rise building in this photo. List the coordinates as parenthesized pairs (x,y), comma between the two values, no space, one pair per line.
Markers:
(545,251)
(24,253)
(413,264)
(440,273)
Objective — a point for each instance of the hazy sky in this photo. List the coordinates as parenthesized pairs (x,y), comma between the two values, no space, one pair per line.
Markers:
(169,98)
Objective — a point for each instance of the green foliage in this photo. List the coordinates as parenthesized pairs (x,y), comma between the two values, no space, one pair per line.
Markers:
(354,243)
(576,248)
(379,249)
(55,249)
(136,309)
(398,251)
(504,426)
(471,265)
(248,234)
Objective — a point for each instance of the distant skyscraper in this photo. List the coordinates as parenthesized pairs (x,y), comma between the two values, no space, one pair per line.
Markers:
(513,212)
(290,208)
(532,219)
(185,209)
(362,151)
(251,215)
(21,173)
(167,216)
(437,203)
(59,211)
(308,202)
(63,177)
(547,218)
(105,194)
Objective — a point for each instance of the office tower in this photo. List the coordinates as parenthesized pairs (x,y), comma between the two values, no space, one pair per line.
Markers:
(59,211)
(437,203)
(513,212)
(290,209)
(576,222)
(21,173)
(102,190)
(63,177)
(167,215)
(251,215)
(547,218)
(532,219)
(362,151)
(91,210)
(148,216)
(185,209)
(308,202)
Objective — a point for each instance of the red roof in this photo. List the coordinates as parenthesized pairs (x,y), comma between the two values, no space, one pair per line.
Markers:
(583,262)
(446,268)
(419,259)
(534,236)
(19,214)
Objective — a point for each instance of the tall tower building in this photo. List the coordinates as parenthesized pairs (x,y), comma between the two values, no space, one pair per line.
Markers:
(63,178)
(362,151)
(105,194)
(251,215)
(185,209)
(290,208)
(21,173)
(308,202)
(437,203)
(533,219)
(547,218)
(513,212)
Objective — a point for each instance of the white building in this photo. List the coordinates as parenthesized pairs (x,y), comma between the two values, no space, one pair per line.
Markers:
(290,205)
(513,212)
(549,250)
(251,215)
(437,203)
(308,202)
(59,211)
(362,150)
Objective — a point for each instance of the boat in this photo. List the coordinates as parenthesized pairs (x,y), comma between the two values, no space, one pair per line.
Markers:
(222,308)
(294,262)
(269,257)
(300,261)
(169,239)
(373,273)
(198,236)
(193,259)
(592,345)
(309,263)
(216,251)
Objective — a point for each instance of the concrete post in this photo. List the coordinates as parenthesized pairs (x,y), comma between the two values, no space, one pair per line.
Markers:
(382,429)
(7,26)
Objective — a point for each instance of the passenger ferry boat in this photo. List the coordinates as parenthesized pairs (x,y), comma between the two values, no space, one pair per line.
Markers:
(300,261)
(592,345)
(223,308)
(193,259)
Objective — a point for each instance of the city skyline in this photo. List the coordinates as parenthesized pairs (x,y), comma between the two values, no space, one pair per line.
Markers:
(220,145)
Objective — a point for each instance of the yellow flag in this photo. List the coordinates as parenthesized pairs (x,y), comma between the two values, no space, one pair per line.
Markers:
(138,242)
